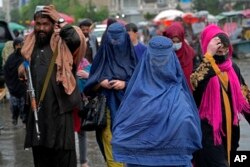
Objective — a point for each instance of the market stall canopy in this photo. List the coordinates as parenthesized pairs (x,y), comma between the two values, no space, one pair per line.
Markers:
(231,23)
(170,14)
(16,26)
(67,18)
(230,14)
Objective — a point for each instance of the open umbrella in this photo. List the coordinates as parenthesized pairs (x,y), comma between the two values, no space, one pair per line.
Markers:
(16,26)
(190,18)
(67,18)
(170,14)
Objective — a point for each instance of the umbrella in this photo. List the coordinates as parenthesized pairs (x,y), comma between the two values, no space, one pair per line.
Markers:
(67,18)
(190,18)
(15,26)
(170,14)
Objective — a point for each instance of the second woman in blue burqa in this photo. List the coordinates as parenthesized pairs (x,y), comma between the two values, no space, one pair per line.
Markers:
(157,123)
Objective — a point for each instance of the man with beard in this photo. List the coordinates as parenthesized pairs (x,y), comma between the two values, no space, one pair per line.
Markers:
(17,88)
(52,36)
(92,44)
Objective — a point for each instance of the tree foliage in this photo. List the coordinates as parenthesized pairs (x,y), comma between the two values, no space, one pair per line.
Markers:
(70,7)
(218,6)
(90,11)
(15,15)
(178,7)
(2,15)
(241,5)
(213,6)
(148,16)
(27,11)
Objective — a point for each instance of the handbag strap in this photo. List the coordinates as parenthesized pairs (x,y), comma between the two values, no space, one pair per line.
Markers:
(46,82)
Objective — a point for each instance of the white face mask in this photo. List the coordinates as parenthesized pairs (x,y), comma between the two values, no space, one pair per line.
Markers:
(177,46)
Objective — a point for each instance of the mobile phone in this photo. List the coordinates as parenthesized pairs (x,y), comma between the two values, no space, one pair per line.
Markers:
(39,8)
(111,83)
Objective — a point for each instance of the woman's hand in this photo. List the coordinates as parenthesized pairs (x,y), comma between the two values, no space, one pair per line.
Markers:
(117,84)
(105,84)
(113,84)
(213,45)
(82,74)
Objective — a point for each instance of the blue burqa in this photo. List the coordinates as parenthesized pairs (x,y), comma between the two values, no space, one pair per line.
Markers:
(115,59)
(157,123)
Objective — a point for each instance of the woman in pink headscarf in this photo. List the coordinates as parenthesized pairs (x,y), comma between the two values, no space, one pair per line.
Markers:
(221,95)
(183,50)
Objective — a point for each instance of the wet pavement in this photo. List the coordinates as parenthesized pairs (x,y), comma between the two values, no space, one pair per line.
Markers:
(12,153)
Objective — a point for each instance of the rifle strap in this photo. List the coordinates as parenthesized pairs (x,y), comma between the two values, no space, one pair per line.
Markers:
(50,69)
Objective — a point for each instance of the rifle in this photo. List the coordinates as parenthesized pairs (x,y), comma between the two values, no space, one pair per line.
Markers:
(32,96)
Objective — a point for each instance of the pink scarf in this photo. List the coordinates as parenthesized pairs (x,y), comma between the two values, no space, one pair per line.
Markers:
(83,64)
(210,107)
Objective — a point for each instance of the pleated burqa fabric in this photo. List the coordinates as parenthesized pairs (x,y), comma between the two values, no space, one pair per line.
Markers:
(157,123)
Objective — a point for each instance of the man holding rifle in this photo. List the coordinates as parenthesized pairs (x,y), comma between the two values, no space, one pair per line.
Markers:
(53,50)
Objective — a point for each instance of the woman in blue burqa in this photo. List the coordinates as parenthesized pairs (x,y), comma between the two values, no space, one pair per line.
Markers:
(157,123)
(111,70)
